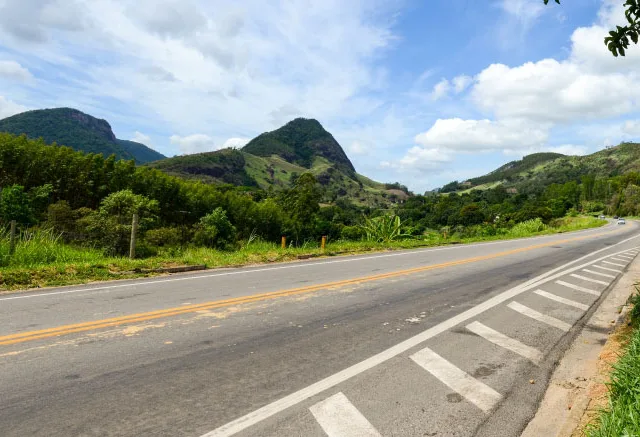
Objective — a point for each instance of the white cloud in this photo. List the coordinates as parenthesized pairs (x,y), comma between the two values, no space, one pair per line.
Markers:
(460,83)
(419,159)
(481,135)
(139,137)
(523,10)
(13,70)
(568,149)
(357,148)
(235,143)
(9,108)
(441,89)
(631,127)
(195,143)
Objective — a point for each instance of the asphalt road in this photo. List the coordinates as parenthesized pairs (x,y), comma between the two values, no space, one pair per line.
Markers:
(436,342)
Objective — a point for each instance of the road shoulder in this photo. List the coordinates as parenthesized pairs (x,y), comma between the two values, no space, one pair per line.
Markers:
(578,379)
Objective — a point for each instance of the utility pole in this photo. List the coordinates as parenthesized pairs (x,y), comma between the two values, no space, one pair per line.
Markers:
(134,231)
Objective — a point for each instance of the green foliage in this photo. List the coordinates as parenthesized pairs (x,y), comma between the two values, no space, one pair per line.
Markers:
(300,141)
(15,205)
(140,152)
(384,229)
(619,39)
(162,237)
(528,227)
(622,417)
(215,231)
(110,226)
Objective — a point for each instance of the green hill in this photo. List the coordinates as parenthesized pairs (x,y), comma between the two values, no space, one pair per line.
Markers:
(537,171)
(140,152)
(75,129)
(300,142)
(275,159)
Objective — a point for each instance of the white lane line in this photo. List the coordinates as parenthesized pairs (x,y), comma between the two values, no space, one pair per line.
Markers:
(563,300)
(607,268)
(339,418)
(578,288)
(530,312)
(620,259)
(604,275)
(109,288)
(476,392)
(509,343)
(614,264)
(279,405)
(625,256)
(584,278)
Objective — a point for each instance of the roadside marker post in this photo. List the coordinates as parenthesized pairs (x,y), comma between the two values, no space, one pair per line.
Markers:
(324,242)
(284,242)
(134,231)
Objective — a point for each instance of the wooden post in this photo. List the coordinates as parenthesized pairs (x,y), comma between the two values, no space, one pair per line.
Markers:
(284,242)
(134,231)
(324,242)
(12,238)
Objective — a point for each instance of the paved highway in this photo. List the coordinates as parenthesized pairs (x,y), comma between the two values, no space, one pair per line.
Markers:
(435,342)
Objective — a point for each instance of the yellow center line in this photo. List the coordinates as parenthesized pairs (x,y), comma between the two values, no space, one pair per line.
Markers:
(185,309)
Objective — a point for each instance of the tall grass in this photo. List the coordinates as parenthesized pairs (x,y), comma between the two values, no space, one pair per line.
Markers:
(42,246)
(622,417)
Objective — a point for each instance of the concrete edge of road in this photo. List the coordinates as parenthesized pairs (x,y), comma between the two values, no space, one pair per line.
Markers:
(283,264)
(568,394)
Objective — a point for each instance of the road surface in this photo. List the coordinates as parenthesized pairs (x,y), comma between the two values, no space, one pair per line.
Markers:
(435,342)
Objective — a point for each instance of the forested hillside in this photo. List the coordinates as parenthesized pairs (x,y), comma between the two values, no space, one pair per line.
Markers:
(75,129)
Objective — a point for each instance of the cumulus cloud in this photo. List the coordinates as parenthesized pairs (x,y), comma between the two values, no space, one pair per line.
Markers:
(481,135)
(9,108)
(568,149)
(441,89)
(460,83)
(195,143)
(631,127)
(420,159)
(235,143)
(357,148)
(168,18)
(13,70)
(139,137)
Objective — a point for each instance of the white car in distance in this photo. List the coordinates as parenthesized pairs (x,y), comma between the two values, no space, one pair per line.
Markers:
(621,221)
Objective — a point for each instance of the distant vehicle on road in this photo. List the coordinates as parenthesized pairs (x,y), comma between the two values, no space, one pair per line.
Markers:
(602,217)
(615,217)
(621,221)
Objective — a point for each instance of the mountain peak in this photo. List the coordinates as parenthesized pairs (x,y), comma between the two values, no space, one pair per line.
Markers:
(73,128)
(300,141)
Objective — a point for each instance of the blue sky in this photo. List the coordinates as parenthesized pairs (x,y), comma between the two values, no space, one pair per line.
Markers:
(421,92)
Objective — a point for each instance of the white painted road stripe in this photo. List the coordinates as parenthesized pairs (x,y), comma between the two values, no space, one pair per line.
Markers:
(620,259)
(339,418)
(530,312)
(569,302)
(295,398)
(625,256)
(578,288)
(509,343)
(614,264)
(584,278)
(605,275)
(607,268)
(476,392)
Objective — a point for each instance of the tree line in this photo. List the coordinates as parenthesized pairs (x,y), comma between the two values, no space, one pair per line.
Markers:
(90,200)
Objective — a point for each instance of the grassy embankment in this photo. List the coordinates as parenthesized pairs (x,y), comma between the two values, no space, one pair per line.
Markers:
(41,259)
(622,416)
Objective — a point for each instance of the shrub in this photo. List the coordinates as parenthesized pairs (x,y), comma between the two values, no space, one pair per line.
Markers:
(215,231)
(163,237)
(352,233)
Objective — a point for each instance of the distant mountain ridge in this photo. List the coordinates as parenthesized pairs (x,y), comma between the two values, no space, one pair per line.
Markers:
(73,128)
(541,170)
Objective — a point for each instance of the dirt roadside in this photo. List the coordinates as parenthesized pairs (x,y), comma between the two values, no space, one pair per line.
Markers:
(577,388)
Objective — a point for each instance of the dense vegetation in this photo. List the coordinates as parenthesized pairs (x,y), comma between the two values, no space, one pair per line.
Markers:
(77,130)
(299,142)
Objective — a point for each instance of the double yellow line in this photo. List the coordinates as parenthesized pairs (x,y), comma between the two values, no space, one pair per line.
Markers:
(169,312)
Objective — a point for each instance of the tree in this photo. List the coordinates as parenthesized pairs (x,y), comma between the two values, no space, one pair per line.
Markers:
(14,205)
(215,230)
(618,40)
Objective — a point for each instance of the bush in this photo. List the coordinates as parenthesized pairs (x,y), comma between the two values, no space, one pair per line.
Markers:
(162,237)
(528,227)
(215,231)
(352,233)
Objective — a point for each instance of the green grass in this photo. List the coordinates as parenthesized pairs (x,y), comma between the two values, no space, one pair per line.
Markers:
(622,416)
(41,259)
